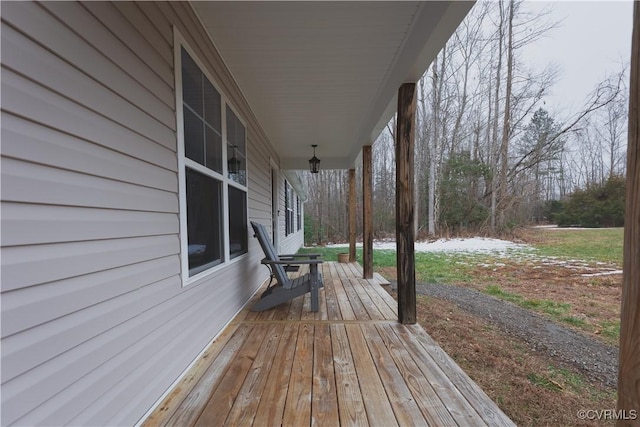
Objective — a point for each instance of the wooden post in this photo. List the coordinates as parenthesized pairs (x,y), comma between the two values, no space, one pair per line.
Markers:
(367,213)
(629,365)
(352,215)
(405,235)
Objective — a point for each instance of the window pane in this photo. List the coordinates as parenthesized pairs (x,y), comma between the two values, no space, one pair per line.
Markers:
(212,110)
(214,150)
(193,137)
(202,116)
(236,139)
(236,132)
(237,222)
(191,83)
(204,221)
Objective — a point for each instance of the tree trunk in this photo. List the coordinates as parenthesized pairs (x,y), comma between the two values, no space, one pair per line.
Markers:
(494,139)
(506,125)
(436,146)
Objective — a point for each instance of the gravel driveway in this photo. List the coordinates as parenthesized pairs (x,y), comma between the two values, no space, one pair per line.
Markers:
(598,361)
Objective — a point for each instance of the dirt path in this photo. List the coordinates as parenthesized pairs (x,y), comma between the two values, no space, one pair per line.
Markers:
(598,361)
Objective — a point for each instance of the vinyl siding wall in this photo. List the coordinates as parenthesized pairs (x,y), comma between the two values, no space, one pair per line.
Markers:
(291,243)
(96,324)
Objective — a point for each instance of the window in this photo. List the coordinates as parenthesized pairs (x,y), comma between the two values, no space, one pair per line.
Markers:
(288,208)
(237,222)
(213,177)
(204,222)
(299,212)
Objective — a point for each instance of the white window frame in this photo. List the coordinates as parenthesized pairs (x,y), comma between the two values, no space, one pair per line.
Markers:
(184,162)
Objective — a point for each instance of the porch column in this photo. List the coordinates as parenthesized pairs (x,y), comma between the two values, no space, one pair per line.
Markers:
(352,215)
(629,366)
(367,218)
(405,235)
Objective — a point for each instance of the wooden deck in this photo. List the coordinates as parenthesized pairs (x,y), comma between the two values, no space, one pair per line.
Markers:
(351,363)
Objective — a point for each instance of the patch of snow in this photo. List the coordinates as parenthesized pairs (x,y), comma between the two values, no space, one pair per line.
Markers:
(603,273)
(552,227)
(475,244)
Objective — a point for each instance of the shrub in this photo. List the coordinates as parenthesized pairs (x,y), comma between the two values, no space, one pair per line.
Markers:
(596,206)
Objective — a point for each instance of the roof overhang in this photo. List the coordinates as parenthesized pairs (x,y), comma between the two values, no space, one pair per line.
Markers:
(327,73)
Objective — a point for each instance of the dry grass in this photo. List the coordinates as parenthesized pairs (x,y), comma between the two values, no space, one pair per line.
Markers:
(593,302)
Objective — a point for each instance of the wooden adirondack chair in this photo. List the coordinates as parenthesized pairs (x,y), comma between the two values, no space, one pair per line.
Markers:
(285,288)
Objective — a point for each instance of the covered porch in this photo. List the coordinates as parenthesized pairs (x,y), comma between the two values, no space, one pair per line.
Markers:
(351,363)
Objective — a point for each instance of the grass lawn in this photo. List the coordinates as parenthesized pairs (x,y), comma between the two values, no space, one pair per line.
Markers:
(602,245)
(432,267)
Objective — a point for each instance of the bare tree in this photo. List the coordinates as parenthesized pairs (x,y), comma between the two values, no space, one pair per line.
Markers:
(475,107)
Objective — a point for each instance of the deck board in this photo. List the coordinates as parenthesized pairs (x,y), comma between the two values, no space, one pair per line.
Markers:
(351,364)
(378,406)
(297,410)
(324,408)
(352,410)
(404,405)
(221,400)
(426,397)
(246,404)
(357,304)
(271,407)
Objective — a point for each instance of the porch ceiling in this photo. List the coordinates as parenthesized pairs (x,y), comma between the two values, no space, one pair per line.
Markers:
(327,73)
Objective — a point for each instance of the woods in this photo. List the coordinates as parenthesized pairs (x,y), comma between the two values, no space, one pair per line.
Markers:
(490,155)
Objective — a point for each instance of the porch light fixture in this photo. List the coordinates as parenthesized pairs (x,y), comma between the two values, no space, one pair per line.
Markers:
(233,163)
(314,162)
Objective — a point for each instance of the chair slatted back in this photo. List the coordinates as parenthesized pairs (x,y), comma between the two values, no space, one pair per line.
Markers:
(270,253)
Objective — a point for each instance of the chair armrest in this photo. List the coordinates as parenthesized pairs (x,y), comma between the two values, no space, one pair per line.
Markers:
(289,262)
(312,256)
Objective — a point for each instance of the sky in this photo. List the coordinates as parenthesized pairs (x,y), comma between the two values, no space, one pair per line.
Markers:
(593,39)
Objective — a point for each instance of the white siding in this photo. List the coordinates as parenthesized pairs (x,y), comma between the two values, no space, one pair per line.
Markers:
(95,322)
(292,243)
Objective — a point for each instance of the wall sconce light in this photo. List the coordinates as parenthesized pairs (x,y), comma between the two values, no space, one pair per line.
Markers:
(233,163)
(314,162)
